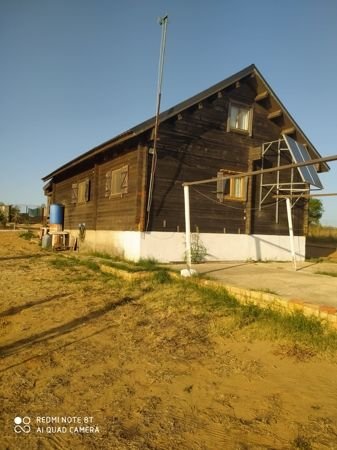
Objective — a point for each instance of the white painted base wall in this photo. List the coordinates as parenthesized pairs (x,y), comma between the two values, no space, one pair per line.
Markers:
(167,247)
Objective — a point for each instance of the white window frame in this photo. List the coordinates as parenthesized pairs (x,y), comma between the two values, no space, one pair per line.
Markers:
(227,189)
(240,106)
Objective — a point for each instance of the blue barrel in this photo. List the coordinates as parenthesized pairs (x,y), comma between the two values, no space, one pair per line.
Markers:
(56,215)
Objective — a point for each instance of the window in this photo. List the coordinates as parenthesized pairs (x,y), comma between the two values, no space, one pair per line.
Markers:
(117,182)
(237,187)
(80,192)
(231,189)
(240,118)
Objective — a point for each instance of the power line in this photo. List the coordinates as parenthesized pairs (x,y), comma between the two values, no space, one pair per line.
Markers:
(229,206)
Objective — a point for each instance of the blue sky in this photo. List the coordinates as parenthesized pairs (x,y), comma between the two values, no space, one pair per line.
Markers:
(75,73)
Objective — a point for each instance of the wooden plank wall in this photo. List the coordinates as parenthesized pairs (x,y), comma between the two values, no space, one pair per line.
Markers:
(120,212)
(196,145)
(100,212)
(75,214)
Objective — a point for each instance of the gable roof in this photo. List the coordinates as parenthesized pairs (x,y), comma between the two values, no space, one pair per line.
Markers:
(149,124)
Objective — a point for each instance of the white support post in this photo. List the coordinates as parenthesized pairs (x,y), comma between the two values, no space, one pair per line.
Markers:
(291,232)
(188,227)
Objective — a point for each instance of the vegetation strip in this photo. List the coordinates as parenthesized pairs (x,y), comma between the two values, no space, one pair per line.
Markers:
(292,319)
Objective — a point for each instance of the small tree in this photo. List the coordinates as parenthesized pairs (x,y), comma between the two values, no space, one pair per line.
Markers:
(316,211)
(3,218)
(198,249)
(15,214)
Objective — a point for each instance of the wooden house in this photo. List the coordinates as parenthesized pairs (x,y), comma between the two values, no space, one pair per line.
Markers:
(235,126)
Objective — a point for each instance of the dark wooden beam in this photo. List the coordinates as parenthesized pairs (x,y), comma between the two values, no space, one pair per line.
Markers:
(261,96)
(290,130)
(275,114)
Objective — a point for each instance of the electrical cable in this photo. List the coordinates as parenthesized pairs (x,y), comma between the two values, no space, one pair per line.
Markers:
(232,207)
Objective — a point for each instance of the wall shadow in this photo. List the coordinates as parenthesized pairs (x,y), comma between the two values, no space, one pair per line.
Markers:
(259,240)
(16,309)
(226,268)
(16,347)
(36,255)
(60,347)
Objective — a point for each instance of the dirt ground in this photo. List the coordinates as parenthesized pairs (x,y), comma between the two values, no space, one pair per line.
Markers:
(145,366)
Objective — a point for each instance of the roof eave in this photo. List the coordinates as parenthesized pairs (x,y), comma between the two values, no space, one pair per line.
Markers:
(324,165)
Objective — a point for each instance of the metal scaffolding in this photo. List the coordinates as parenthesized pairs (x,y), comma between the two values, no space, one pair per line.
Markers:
(277,187)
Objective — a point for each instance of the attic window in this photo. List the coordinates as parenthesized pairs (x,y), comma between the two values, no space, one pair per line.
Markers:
(117,182)
(240,118)
(231,189)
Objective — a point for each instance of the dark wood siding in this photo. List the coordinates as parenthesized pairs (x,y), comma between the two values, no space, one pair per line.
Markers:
(119,212)
(195,146)
(123,212)
(74,214)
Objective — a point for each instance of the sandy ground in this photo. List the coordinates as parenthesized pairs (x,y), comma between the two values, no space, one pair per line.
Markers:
(144,367)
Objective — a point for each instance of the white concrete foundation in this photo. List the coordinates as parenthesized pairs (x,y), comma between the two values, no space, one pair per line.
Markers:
(168,247)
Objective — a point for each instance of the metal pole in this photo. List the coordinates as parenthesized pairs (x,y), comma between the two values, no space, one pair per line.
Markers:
(291,232)
(278,181)
(163,23)
(331,194)
(258,172)
(188,227)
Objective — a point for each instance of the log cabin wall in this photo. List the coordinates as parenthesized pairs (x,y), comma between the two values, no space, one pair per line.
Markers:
(120,212)
(195,145)
(75,213)
(102,212)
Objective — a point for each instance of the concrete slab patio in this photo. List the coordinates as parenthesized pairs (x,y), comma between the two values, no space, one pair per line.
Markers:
(306,284)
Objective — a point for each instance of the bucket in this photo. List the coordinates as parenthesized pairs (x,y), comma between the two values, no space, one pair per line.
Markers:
(46,241)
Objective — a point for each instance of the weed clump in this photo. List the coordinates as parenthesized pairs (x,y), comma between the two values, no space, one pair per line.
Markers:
(28,235)
(161,277)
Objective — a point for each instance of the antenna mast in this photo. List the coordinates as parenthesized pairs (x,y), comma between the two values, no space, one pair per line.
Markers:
(163,23)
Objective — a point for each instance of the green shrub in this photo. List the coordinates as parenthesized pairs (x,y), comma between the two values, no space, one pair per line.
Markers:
(162,276)
(28,235)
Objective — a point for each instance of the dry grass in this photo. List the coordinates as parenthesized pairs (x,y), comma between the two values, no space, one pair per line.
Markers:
(322,233)
(157,364)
